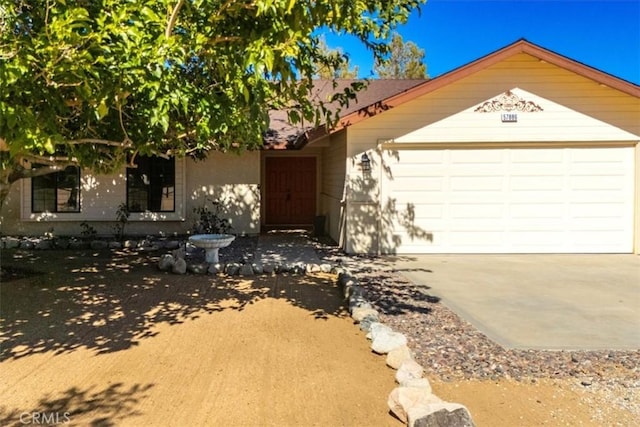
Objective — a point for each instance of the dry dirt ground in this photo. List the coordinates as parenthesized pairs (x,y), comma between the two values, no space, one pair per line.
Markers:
(104,338)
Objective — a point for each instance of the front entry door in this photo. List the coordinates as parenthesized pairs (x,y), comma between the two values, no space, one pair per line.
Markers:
(290,193)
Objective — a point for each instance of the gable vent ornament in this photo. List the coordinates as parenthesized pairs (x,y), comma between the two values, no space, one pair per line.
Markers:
(509,102)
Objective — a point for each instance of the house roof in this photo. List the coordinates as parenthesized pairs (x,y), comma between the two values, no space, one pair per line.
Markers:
(382,95)
(283,134)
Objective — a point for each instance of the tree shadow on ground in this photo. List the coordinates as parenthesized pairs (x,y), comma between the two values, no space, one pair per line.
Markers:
(110,301)
(80,406)
(393,295)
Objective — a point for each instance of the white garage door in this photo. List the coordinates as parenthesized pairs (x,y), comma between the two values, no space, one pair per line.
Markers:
(542,200)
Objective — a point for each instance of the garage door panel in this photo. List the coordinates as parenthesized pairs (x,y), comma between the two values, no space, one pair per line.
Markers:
(536,157)
(534,211)
(476,183)
(494,157)
(537,183)
(597,210)
(597,156)
(420,183)
(594,183)
(547,200)
(477,211)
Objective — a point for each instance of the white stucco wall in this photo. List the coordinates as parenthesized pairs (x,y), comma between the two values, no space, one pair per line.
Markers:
(231,179)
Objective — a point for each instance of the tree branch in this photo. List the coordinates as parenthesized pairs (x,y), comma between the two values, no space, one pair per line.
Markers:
(125,143)
(173,18)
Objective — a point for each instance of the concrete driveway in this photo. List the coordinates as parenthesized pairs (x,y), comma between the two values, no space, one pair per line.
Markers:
(550,302)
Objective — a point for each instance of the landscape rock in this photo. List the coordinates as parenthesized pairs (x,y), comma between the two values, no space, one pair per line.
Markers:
(232,269)
(383,343)
(115,245)
(130,244)
(171,244)
(26,244)
(325,268)
(422,383)
(312,268)
(99,245)
(298,269)
(43,245)
(179,253)
(198,268)
(402,399)
(215,268)
(166,262)
(408,371)
(246,270)
(397,356)
(353,291)
(442,414)
(180,266)
(378,328)
(360,313)
(365,324)
(11,242)
(358,301)
(62,243)
(338,270)
(77,244)
(258,268)
(268,268)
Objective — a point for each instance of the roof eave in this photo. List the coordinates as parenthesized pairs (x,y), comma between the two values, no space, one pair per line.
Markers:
(520,46)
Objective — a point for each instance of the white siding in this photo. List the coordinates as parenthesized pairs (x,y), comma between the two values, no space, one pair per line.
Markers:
(332,191)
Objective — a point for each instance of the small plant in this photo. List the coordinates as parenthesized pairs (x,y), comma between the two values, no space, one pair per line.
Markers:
(208,220)
(88,232)
(122,218)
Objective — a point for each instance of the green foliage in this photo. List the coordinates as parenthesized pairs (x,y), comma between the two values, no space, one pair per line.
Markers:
(122,218)
(333,63)
(404,61)
(209,219)
(91,82)
(87,230)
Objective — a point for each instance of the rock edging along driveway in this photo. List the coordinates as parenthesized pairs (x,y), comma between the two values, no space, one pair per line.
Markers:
(413,401)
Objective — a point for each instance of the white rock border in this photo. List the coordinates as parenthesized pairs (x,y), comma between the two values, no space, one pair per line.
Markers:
(413,402)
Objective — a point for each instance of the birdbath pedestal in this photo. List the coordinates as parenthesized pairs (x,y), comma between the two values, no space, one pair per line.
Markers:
(211,243)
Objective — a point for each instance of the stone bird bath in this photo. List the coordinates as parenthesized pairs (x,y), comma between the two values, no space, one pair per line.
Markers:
(211,243)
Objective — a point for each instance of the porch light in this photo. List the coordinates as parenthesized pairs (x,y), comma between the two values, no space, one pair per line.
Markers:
(365,163)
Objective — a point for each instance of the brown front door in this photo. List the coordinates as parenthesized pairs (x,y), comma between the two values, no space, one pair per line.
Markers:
(290,193)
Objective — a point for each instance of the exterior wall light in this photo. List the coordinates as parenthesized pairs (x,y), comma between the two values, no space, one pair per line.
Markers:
(365,163)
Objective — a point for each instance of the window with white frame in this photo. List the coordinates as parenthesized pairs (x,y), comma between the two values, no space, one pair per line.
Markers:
(56,192)
(151,185)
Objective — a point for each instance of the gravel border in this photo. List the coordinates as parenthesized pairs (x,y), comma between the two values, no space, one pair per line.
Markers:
(451,349)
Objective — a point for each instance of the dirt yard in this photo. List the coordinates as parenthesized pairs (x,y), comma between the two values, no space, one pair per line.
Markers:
(106,339)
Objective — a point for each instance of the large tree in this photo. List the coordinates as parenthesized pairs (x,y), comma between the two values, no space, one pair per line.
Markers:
(405,60)
(337,64)
(97,82)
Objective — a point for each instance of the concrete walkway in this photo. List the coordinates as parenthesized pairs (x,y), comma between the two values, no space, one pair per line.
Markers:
(286,247)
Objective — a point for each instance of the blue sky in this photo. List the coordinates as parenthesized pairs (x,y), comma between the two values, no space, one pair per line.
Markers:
(604,34)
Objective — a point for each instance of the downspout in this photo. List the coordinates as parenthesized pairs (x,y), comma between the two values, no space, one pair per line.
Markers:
(379,220)
(380,193)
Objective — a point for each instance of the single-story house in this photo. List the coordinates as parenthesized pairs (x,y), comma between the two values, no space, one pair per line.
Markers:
(521,151)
